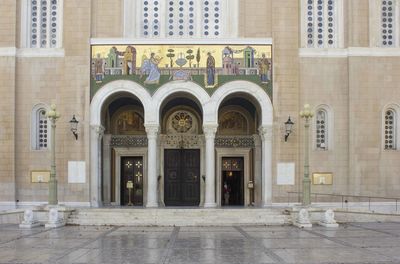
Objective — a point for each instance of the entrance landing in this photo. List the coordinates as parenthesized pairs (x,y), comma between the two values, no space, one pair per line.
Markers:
(178,216)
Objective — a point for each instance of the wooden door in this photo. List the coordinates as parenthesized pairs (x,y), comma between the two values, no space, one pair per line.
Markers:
(132,170)
(182,177)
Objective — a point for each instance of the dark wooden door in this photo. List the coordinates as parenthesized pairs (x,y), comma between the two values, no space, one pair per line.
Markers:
(182,177)
(132,170)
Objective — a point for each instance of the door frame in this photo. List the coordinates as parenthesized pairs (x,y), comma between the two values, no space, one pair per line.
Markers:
(129,152)
(232,153)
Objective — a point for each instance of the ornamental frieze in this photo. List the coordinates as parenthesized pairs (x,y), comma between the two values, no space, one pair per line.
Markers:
(234,142)
(128,141)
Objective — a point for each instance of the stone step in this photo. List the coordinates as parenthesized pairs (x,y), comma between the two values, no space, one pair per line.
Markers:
(179,217)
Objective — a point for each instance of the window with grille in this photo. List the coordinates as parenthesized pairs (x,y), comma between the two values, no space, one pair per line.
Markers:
(321,130)
(390,129)
(185,18)
(321,23)
(388,24)
(41,23)
(42,129)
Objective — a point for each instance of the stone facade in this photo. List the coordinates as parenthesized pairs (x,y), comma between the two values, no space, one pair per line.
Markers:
(356,81)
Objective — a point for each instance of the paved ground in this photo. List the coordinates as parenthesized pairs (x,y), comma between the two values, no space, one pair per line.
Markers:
(353,243)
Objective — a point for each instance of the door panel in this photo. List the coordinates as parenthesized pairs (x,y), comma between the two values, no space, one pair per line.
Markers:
(132,170)
(181,177)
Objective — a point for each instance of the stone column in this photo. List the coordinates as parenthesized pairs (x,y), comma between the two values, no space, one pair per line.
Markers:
(209,132)
(152,133)
(96,134)
(266,161)
(106,169)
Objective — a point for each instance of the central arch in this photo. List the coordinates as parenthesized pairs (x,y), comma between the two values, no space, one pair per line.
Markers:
(178,87)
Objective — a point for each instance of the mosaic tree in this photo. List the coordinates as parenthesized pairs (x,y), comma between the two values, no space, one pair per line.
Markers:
(190,57)
(171,55)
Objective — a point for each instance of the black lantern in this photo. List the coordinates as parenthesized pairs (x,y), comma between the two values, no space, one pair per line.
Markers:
(74,126)
(288,128)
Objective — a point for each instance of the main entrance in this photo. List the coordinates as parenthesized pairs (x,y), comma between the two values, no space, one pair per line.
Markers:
(132,176)
(182,177)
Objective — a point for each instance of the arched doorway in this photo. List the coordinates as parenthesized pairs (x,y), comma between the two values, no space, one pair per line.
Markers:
(238,147)
(124,151)
(181,151)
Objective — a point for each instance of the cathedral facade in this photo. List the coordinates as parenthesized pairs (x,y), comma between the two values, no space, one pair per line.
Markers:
(197,102)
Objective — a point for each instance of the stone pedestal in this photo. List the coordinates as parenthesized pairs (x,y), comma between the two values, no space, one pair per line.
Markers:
(30,220)
(328,219)
(303,219)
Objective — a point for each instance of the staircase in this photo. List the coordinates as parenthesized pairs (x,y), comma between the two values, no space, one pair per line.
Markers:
(178,216)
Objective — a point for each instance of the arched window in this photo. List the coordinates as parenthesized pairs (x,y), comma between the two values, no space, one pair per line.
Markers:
(41,23)
(181,18)
(321,129)
(322,23)
(388,23)
(40,128)
(390,129)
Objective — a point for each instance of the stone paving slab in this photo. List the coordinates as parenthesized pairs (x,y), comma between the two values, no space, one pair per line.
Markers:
(354,243)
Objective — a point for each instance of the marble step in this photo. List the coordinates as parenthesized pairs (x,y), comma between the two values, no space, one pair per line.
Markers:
(178,217)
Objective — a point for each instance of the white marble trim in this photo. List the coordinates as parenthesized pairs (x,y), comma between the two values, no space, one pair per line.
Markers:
(183,41)
(8,52)
(349,52)
(41,53)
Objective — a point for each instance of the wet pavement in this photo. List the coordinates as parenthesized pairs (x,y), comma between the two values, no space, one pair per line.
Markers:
(350,243)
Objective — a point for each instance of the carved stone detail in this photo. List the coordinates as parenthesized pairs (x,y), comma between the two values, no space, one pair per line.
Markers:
(234,142)
(29,220)
(181,141)
(128,141)
(210,130)
(99,130)
(56,219)
(266,132)
(328,219)
(303,219)
(181,122)
(152,131)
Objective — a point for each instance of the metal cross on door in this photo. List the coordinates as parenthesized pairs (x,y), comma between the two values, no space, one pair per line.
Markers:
(132,172)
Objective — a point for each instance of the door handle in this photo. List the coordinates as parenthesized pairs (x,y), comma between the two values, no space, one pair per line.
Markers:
(195,177)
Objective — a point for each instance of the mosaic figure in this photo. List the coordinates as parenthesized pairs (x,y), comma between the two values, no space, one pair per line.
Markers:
(263,67)
(129,60)
(98,68)
(150,66)
(210,70)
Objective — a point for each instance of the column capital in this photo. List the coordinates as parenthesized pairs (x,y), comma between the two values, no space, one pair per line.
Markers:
(210,130)
(266,132)
(98,129)
(152,130)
